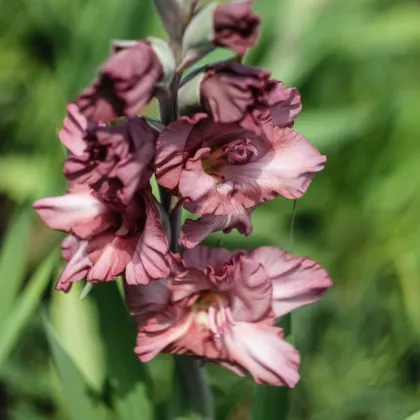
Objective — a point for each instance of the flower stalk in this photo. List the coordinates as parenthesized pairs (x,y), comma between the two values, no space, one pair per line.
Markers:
(189,374)
(195,397)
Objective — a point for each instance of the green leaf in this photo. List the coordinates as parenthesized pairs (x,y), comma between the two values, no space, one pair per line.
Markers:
(12,327)
(86,290)
(14,254)
(130,387)
(80,402)
(76,324)
(270,403)
(415,416)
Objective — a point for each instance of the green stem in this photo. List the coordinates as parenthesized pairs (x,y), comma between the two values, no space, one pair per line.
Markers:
(192,394)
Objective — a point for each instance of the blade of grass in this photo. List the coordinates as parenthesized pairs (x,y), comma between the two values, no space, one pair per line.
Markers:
(75,322)
(13,258)
(80,403)
(12,327)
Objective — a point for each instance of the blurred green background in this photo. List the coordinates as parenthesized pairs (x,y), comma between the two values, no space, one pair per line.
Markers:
(356,63)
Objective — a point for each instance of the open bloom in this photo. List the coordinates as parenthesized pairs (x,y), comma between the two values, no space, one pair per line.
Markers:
(222,306)
(104,241)
(126,84)
(220,168)
(235,26)
(232,92)
(113,160)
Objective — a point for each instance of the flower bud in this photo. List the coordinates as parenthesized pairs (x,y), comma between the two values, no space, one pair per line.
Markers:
(118,45)
(175,15)
(128,80)
(198,37)
(234,93)
(232,26)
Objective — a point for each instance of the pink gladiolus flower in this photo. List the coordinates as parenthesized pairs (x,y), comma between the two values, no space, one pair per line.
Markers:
(113,160)
(104,242)
(218,168)
(222,306)
(126,84)
(236,26)
(231,92)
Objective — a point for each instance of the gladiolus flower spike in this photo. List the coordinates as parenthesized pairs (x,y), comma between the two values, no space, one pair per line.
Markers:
(225,145)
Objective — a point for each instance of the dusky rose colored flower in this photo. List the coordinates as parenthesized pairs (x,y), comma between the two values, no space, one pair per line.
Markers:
(105,242)
(125,85)
(235,26)
(218,168)
(113,160)
(232,92)
(195,231)
(222,306)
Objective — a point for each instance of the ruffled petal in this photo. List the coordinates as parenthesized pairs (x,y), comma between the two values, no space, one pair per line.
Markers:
(110,255)
(189,283)
(195,231)
(201,192)
(69,247)
(296,281)
(251,294)
(133,171)
(236,369)
(170,150)
(285,105)
(74,130)
(74,252)
(142,300)
(230,90)
(150,259)
(80,213)
(261,350)
(205,256)
(160,331)
(197,341)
